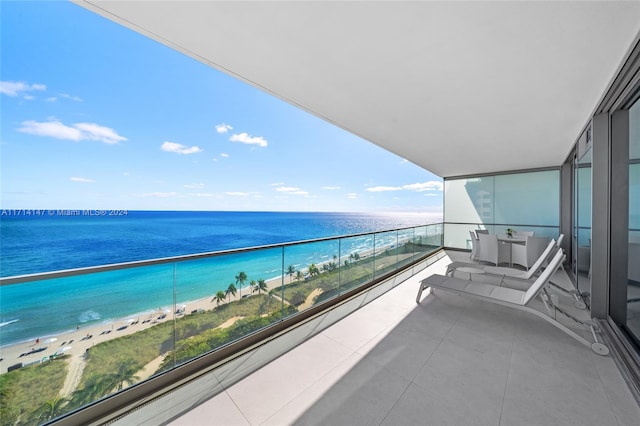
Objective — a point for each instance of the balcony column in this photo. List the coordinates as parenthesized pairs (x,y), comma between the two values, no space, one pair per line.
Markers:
(600,216)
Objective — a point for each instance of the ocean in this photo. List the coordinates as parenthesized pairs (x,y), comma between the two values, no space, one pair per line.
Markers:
(49,240)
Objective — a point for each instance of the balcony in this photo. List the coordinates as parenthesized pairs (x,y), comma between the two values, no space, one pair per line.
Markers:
(85,373)
(448,360)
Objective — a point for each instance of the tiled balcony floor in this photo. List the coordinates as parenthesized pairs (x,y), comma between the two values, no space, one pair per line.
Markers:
(448,361)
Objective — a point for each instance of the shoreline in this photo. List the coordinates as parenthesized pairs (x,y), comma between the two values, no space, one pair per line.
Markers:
(75,342)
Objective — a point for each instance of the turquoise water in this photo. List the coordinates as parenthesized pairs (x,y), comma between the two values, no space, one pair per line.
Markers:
(45,243)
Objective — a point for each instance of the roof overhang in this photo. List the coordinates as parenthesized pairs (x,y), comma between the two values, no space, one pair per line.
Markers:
(455,87)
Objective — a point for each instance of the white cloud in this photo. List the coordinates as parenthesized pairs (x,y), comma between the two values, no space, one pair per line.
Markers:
(331,188)
(54,129)
(248,139)
(276,183)
(292,190)
(73,98)
(96,132)
(223,128)
(194,185)
(384,188)
(431,185)
(238,194)
(352,195)
(77,132)
(81,179)
(159,194)
(51,99)
(17,88)
(224,155)
(201,194)
(179,148)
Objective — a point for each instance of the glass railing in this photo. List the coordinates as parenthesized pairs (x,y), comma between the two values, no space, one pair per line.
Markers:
(78,336)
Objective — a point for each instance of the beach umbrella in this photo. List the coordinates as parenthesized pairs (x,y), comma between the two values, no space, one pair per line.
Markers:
(50,340)
(65,349)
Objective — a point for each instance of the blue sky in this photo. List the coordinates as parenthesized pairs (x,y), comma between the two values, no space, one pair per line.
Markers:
(95,116)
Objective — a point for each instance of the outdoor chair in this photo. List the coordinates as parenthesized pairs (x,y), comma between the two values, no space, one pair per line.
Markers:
(475,245)
(524,233)
(527,254)
(516,299)
(491,251)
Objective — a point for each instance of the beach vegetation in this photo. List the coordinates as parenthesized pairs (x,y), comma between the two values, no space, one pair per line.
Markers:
(261,286)
(126,373)
(50,410)
(94,386)
(25,390)
(298,297)
(231,291)
(240,279)
(291,270)
(255,312)
(299,275)
(219,297)
(313,270)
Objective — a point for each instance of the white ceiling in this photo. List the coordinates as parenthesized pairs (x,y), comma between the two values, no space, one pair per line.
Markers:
(455,87)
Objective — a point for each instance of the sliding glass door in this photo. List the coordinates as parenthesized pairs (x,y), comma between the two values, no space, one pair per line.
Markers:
(633,273)
(581,248)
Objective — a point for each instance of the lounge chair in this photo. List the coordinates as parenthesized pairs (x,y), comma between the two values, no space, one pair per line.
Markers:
(502,272)
(516,299)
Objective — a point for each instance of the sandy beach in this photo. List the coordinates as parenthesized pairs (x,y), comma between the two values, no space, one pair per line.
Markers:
(75,343)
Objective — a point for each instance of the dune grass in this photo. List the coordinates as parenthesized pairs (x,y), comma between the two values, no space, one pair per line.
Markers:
(23,392)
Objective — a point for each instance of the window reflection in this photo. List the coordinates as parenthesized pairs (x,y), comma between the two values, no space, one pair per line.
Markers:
(633,276)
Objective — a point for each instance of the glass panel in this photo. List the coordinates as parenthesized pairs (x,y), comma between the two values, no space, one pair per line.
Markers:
(222,299)
(528,198)
(386,253)
(357,262)
(583,231)
(318,263)
(427,239)
(521,201)
(91,345)
(633,276)
(469,200)
(407,247)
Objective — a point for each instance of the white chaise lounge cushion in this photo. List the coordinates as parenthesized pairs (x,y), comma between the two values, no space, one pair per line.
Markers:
(493,292)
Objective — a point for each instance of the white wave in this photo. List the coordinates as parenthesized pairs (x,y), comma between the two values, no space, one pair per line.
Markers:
(89,315)
(2,324)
